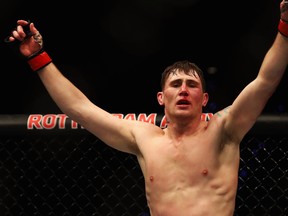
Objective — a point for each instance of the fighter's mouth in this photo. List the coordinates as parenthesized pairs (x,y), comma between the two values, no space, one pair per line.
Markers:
(183,102)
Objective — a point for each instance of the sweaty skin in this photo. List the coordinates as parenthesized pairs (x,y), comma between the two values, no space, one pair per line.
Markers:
(193,177)
(191,167)
(195,170)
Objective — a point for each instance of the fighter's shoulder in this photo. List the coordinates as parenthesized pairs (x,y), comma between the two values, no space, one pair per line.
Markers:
(146,127)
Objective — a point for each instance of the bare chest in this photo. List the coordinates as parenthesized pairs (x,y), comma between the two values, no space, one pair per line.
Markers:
(186,162)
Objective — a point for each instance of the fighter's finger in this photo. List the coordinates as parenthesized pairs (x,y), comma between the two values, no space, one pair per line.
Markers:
(12,37)
(21,32)
(9,39)
(33,29)
(23,22)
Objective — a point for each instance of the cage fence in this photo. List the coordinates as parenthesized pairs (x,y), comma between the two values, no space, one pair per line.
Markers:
(67,172)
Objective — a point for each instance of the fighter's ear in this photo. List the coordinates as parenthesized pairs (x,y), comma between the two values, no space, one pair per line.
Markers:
(160,98)
(205,99)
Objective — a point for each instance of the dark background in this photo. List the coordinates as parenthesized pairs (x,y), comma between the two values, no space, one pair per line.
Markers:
(115,51)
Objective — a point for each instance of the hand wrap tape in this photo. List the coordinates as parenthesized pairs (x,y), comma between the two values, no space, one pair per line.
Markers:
(39,61)
(283,27)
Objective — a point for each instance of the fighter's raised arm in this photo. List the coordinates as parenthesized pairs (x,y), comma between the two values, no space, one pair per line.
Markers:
(251,101)
(112,130)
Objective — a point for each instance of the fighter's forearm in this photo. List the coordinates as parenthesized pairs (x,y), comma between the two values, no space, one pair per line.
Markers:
(275,61)
(64,93)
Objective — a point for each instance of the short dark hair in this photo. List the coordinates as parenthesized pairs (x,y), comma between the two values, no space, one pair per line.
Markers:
(187,67)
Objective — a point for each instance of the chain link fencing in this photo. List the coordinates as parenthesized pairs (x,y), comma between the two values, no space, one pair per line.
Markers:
(75,174)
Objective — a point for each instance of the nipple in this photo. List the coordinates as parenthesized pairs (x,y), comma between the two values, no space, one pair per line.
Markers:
(205,172)
(151,178)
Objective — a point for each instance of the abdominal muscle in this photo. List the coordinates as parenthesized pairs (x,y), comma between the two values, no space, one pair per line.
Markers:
(192,176)
(175,197)
(181,187)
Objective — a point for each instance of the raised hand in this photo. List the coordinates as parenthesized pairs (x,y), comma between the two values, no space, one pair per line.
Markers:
(30,38)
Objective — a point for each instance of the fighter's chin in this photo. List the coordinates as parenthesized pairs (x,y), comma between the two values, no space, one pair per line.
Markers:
(184,112)
(183,106)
